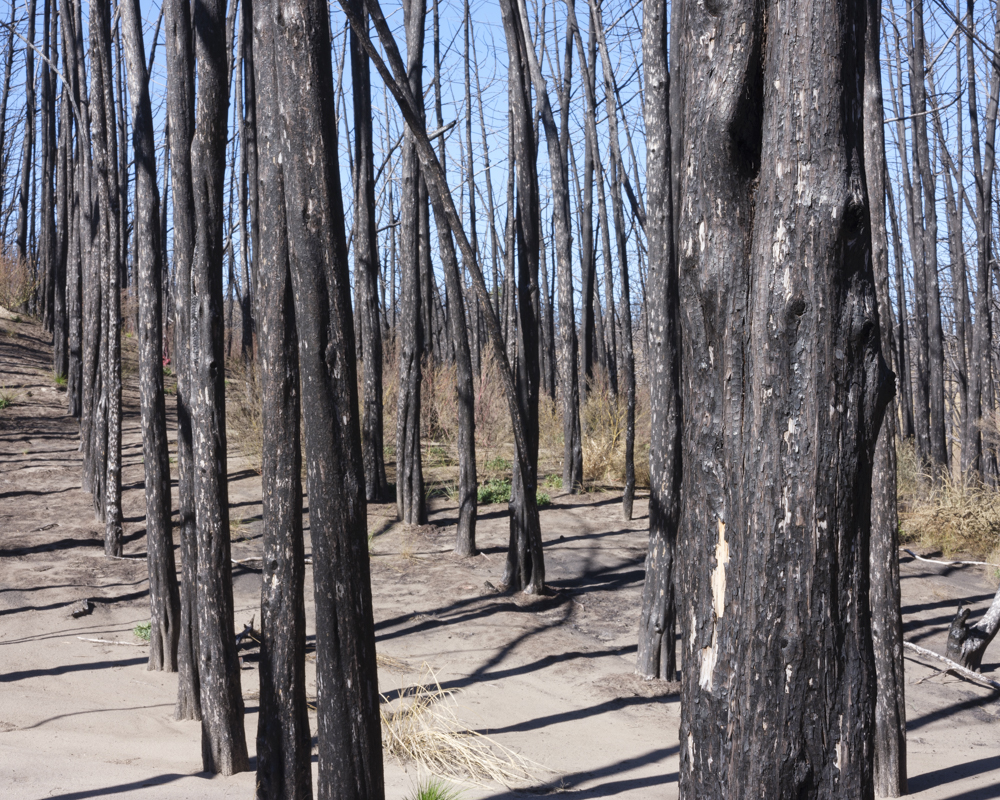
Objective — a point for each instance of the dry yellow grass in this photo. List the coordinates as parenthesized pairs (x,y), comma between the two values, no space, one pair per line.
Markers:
(422,727)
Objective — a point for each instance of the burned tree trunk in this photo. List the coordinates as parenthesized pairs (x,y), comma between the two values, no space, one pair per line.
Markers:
(410,501)
(28,142)
(180,103)
(164,597)
(886,616)
(366,278)
(284,747)
(657,656)
(784,391)
(223,741)
(296,87)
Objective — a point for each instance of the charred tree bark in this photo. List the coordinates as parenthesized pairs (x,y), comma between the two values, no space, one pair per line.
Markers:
(164,596)
(784,391)
(28,142)
(223,741)
(8,65)
(296,84)
(657,656)
(410,501)
(48,267)
(180,102)
(886,616)
(104,136)
(525,569)
(284,745)
(366,278)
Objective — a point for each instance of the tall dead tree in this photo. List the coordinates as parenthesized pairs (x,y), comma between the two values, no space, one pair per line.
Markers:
(366,278)
(223,747)
(397,83)
(8,65)
(297,110)
(784,391)
(164,596)
(886,616)
(657,655)
(28,142)
(410,501)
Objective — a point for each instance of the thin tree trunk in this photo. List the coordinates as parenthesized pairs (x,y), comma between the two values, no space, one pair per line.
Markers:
(223,743)
(27,144)
(657,653)
(180,100)
(366,278)
(164,596)
(8,66)
(410,502)
(886,616)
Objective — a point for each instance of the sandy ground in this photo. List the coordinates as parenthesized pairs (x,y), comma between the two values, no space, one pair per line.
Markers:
(551,679)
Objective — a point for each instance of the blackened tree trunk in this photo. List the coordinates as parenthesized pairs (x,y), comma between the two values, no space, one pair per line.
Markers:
(617,173)
(164,596)
(929,228)
(223,742)
(982,458)
(284,746)
(180,102)
(104,136)
(904,388)
(47,244)
(525,569)
(297,93)
(8,65)
(366,278)
(887,620)
(28,142)
(410,501)
(61,318)
(784,391)
(657,656)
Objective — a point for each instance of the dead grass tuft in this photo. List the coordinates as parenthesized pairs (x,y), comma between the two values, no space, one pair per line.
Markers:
(17,283)
(244,412)
(604,417)
(422,727)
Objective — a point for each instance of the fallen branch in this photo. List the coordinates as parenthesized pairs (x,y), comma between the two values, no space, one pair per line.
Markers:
(951,563)
(109,641)
(968,674)
(241,561)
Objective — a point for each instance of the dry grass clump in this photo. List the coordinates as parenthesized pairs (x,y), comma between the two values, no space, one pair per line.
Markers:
(17,283)
(603,421)
(955,515)
(422,727)
(244,412)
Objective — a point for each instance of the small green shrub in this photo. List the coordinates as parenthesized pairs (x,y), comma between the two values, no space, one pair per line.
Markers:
(60,379)
(542,499)
(492,491)
(6,400)
(497,464)
(143,630)
(435,789)
(553,481)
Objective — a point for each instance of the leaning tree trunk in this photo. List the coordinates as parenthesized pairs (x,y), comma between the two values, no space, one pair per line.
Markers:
(366,276)
(180,103)
(887,620)
(284,747)
(164,596)
(297,93)
(657,656)
(440,195)
(784,391)
(223,743)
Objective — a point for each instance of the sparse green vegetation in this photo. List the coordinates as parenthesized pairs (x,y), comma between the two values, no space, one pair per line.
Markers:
(6,400)
(435,789)
(143,630)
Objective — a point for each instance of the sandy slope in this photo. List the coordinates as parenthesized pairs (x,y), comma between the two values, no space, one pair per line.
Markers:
(549,678)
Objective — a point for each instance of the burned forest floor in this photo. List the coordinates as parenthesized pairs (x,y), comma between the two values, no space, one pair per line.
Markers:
(548,680)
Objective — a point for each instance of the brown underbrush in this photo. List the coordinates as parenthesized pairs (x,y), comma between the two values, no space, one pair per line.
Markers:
(17,282)
(958,515)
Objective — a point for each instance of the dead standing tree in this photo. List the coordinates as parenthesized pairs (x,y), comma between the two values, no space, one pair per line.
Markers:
(223,740)
(164,597)
(657,655)
(295,78)
(784,391)
(397,83)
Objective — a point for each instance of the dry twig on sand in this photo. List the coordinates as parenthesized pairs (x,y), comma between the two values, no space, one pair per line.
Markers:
(952,666)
